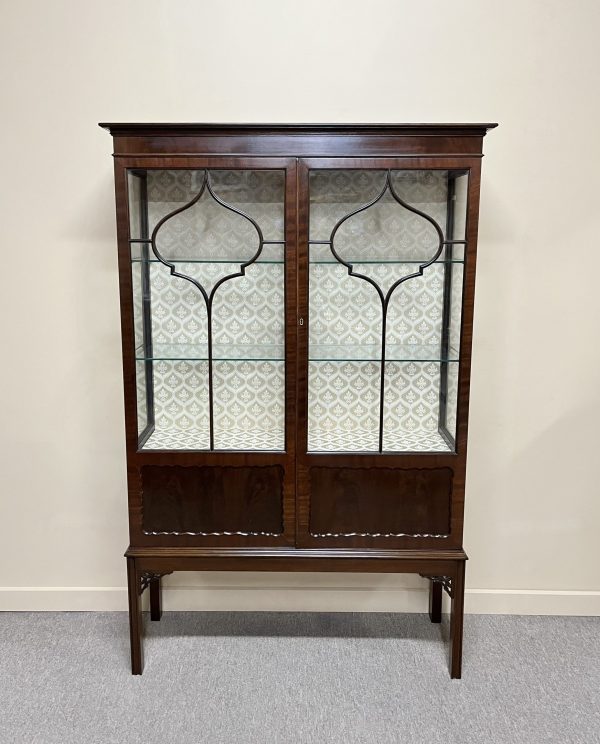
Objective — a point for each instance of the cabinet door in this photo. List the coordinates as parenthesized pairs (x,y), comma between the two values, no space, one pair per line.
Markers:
(213,289)
(383,250)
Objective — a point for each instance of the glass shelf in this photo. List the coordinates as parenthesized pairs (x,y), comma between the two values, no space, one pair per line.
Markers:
(221,353)
(275,353)
(212,253)
(374,251)
(313,262)
(378,261)
(372,352)
(236,261)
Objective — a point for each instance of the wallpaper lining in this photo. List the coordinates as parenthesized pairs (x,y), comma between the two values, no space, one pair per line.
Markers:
(345,312)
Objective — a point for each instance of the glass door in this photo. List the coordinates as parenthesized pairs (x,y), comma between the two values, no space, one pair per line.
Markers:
(208,270)
(383,282)
(385,272)
(208,278)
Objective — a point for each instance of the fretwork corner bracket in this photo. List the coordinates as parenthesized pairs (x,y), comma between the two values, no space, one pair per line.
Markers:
(147,577)
(445,581)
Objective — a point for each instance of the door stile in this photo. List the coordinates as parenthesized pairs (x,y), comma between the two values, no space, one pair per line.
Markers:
(291,352)
(302,495)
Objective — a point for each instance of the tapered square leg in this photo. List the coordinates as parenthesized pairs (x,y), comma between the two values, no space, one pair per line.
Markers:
(155,599)
(135,617)
(456,620)
(435,601)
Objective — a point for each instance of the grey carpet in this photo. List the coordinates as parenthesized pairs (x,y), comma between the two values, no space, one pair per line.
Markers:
(300,678)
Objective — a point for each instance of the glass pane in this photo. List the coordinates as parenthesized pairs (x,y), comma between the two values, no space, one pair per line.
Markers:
(452,396)
(336,193)
(181,406)
(344,334)
(343,407)
(385,294)
(453,283)
(141,322)
(135,185)
(216,297)
(260,194)
(455,291)
(461,185)
(411,409)
(249,405)
(178,311)
(425,190)
(138,329)
(384,233)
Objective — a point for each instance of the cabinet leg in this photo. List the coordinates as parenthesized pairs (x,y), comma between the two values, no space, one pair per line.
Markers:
(155,599)
(456,620)
(435,601)
(135,617)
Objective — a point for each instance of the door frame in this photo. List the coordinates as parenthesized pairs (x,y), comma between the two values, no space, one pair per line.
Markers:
(455,461)
(136,458)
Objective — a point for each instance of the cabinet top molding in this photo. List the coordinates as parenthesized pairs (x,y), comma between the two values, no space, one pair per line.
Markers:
(298,140)
(169,129)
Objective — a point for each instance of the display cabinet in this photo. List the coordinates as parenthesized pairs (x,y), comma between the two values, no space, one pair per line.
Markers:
(297,306)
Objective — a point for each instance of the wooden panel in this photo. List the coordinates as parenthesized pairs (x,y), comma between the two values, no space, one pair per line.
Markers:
(382,502)
(212,500)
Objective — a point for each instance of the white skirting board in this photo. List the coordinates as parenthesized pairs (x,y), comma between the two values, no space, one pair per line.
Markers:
(300,594)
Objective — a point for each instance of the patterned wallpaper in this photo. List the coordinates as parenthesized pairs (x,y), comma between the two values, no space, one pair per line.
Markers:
(248,312)
(346,311)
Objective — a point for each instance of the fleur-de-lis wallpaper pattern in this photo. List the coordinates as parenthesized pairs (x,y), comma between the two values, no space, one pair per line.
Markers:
(345,312)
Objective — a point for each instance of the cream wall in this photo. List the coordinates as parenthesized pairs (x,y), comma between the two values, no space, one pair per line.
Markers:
(533,506)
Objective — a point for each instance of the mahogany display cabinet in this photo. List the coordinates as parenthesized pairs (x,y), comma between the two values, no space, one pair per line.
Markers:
(297,309)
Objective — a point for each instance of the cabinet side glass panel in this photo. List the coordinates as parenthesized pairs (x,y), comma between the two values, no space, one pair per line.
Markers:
(453,286)
(214,250)
(141,296)
(381,354)
(141,386)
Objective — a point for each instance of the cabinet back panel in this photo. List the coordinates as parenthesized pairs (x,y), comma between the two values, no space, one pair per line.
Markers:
(212,500)
(381,502)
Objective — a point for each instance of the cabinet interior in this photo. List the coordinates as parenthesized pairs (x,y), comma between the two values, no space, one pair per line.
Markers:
(208,267)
